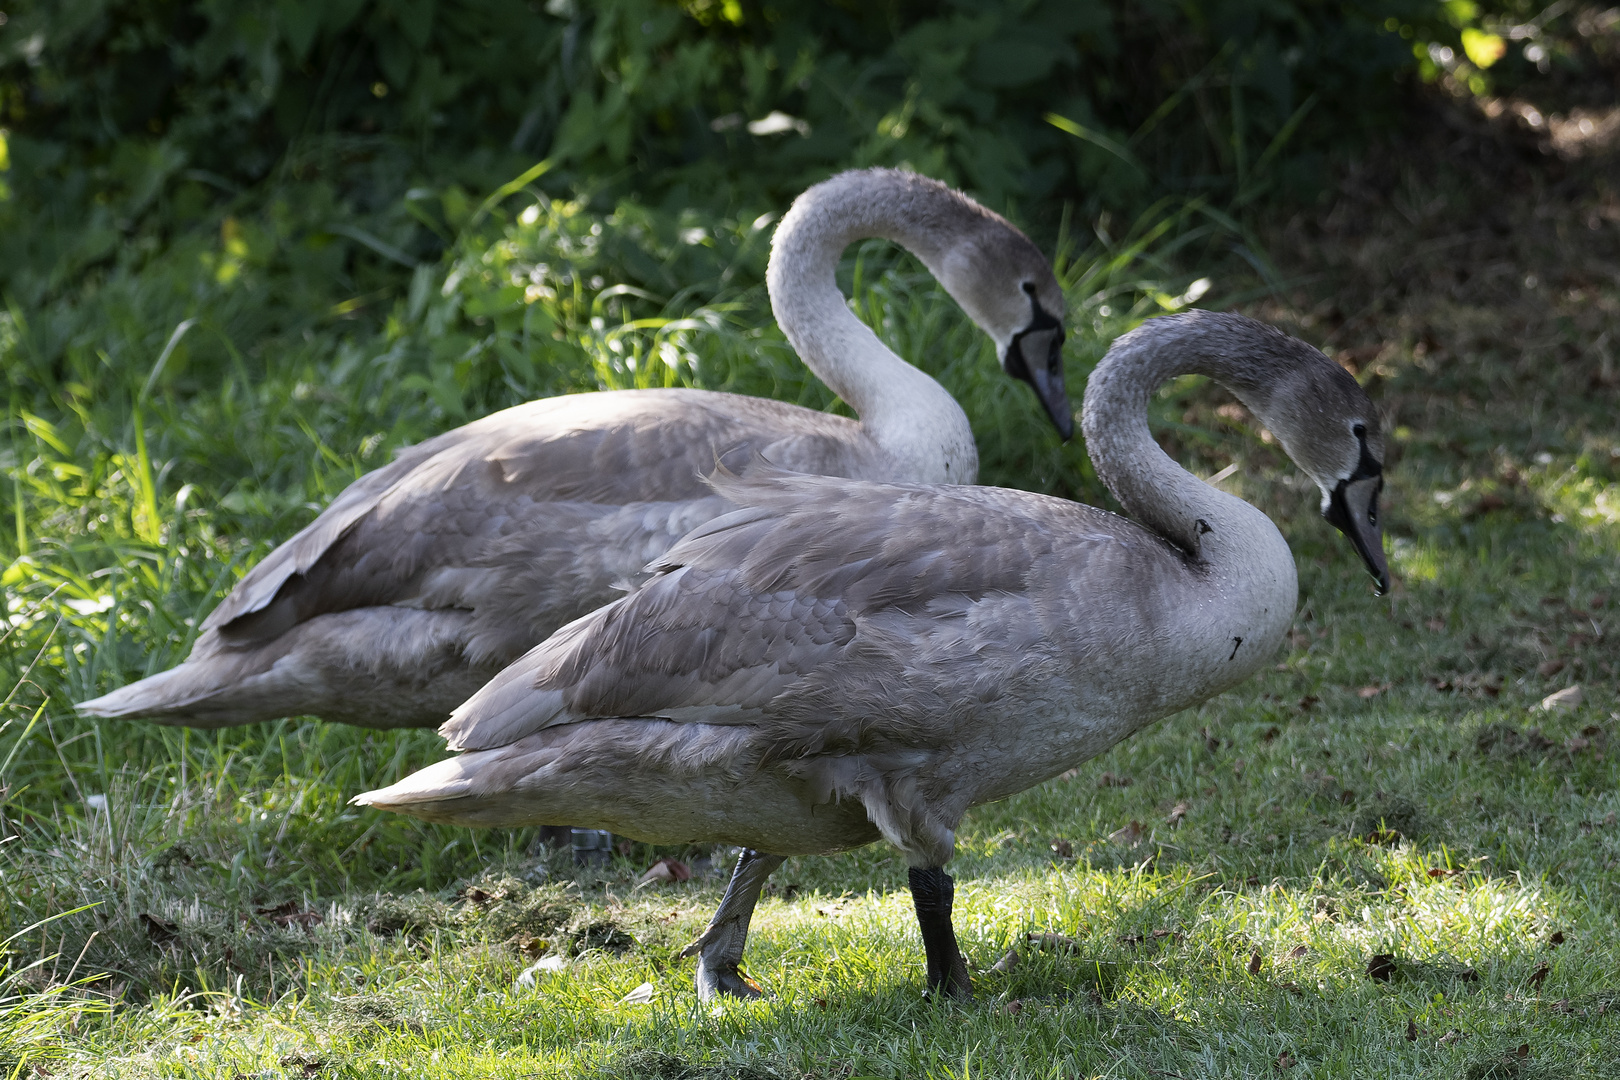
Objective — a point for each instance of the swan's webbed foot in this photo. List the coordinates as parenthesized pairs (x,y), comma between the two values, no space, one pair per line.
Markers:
(933,892)
(720,947)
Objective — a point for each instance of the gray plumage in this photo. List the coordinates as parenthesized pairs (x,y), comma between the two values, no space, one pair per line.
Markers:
(425,578)
(838,660)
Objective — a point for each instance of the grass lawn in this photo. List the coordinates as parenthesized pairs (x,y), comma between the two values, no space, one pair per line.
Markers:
(1383,857)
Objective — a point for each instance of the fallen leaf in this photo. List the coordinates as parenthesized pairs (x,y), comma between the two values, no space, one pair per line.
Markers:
(1442,872)
(1069,774)
(666,871)
(1522,1052)
(1063,849)
(1177,813)
(1347,796)
(1436,624)
(1008,961)
(1557,938)
(531,946)
(546,965)
(1411,1031)
(1285,1060)
(1129,835)
(286,907)
(1565,700)
(1254,963)
(1269,734)
(160,931)
(1306,704)
(1013,1007)
(1108,779)
(1372,691)
(1548,668)
(308,920)
(1381,968)
(1298,951)
(641,995)
(1539,976)
(1450,1037)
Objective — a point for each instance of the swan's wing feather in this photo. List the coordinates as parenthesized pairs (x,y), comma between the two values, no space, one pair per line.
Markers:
(483,496)
(814,580)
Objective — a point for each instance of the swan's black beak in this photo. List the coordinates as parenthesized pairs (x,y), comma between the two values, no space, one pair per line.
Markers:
(1353,510)
(1036,356)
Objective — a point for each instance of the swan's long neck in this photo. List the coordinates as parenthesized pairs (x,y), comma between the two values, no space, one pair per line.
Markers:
(918,429)
(1218,530)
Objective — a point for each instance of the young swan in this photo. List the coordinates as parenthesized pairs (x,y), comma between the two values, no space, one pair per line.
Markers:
(838,661)
(425,578)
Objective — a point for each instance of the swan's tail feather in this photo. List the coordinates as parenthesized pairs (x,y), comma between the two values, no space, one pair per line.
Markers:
(480,788)
(200,694)
(373,667)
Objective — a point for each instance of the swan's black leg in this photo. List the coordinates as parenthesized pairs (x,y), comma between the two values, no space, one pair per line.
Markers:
(720,948)
(933,891)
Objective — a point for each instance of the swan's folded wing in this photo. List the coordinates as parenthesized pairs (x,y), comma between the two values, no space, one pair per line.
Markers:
(486,487)
(771,598)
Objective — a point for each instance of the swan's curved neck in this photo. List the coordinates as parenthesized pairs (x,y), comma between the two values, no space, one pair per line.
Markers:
(917,426)
(1152,488)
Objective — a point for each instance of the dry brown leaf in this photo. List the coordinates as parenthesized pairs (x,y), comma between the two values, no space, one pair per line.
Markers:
(1008,961)
(666,871)
(1177,813)
(1565,700)
(1129,835)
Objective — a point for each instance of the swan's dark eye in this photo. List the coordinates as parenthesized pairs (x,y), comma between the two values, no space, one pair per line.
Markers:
(1028,287)
(1359,431)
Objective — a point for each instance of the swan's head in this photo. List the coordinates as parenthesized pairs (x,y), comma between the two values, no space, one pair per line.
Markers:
(1006,286)
(1330,428)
